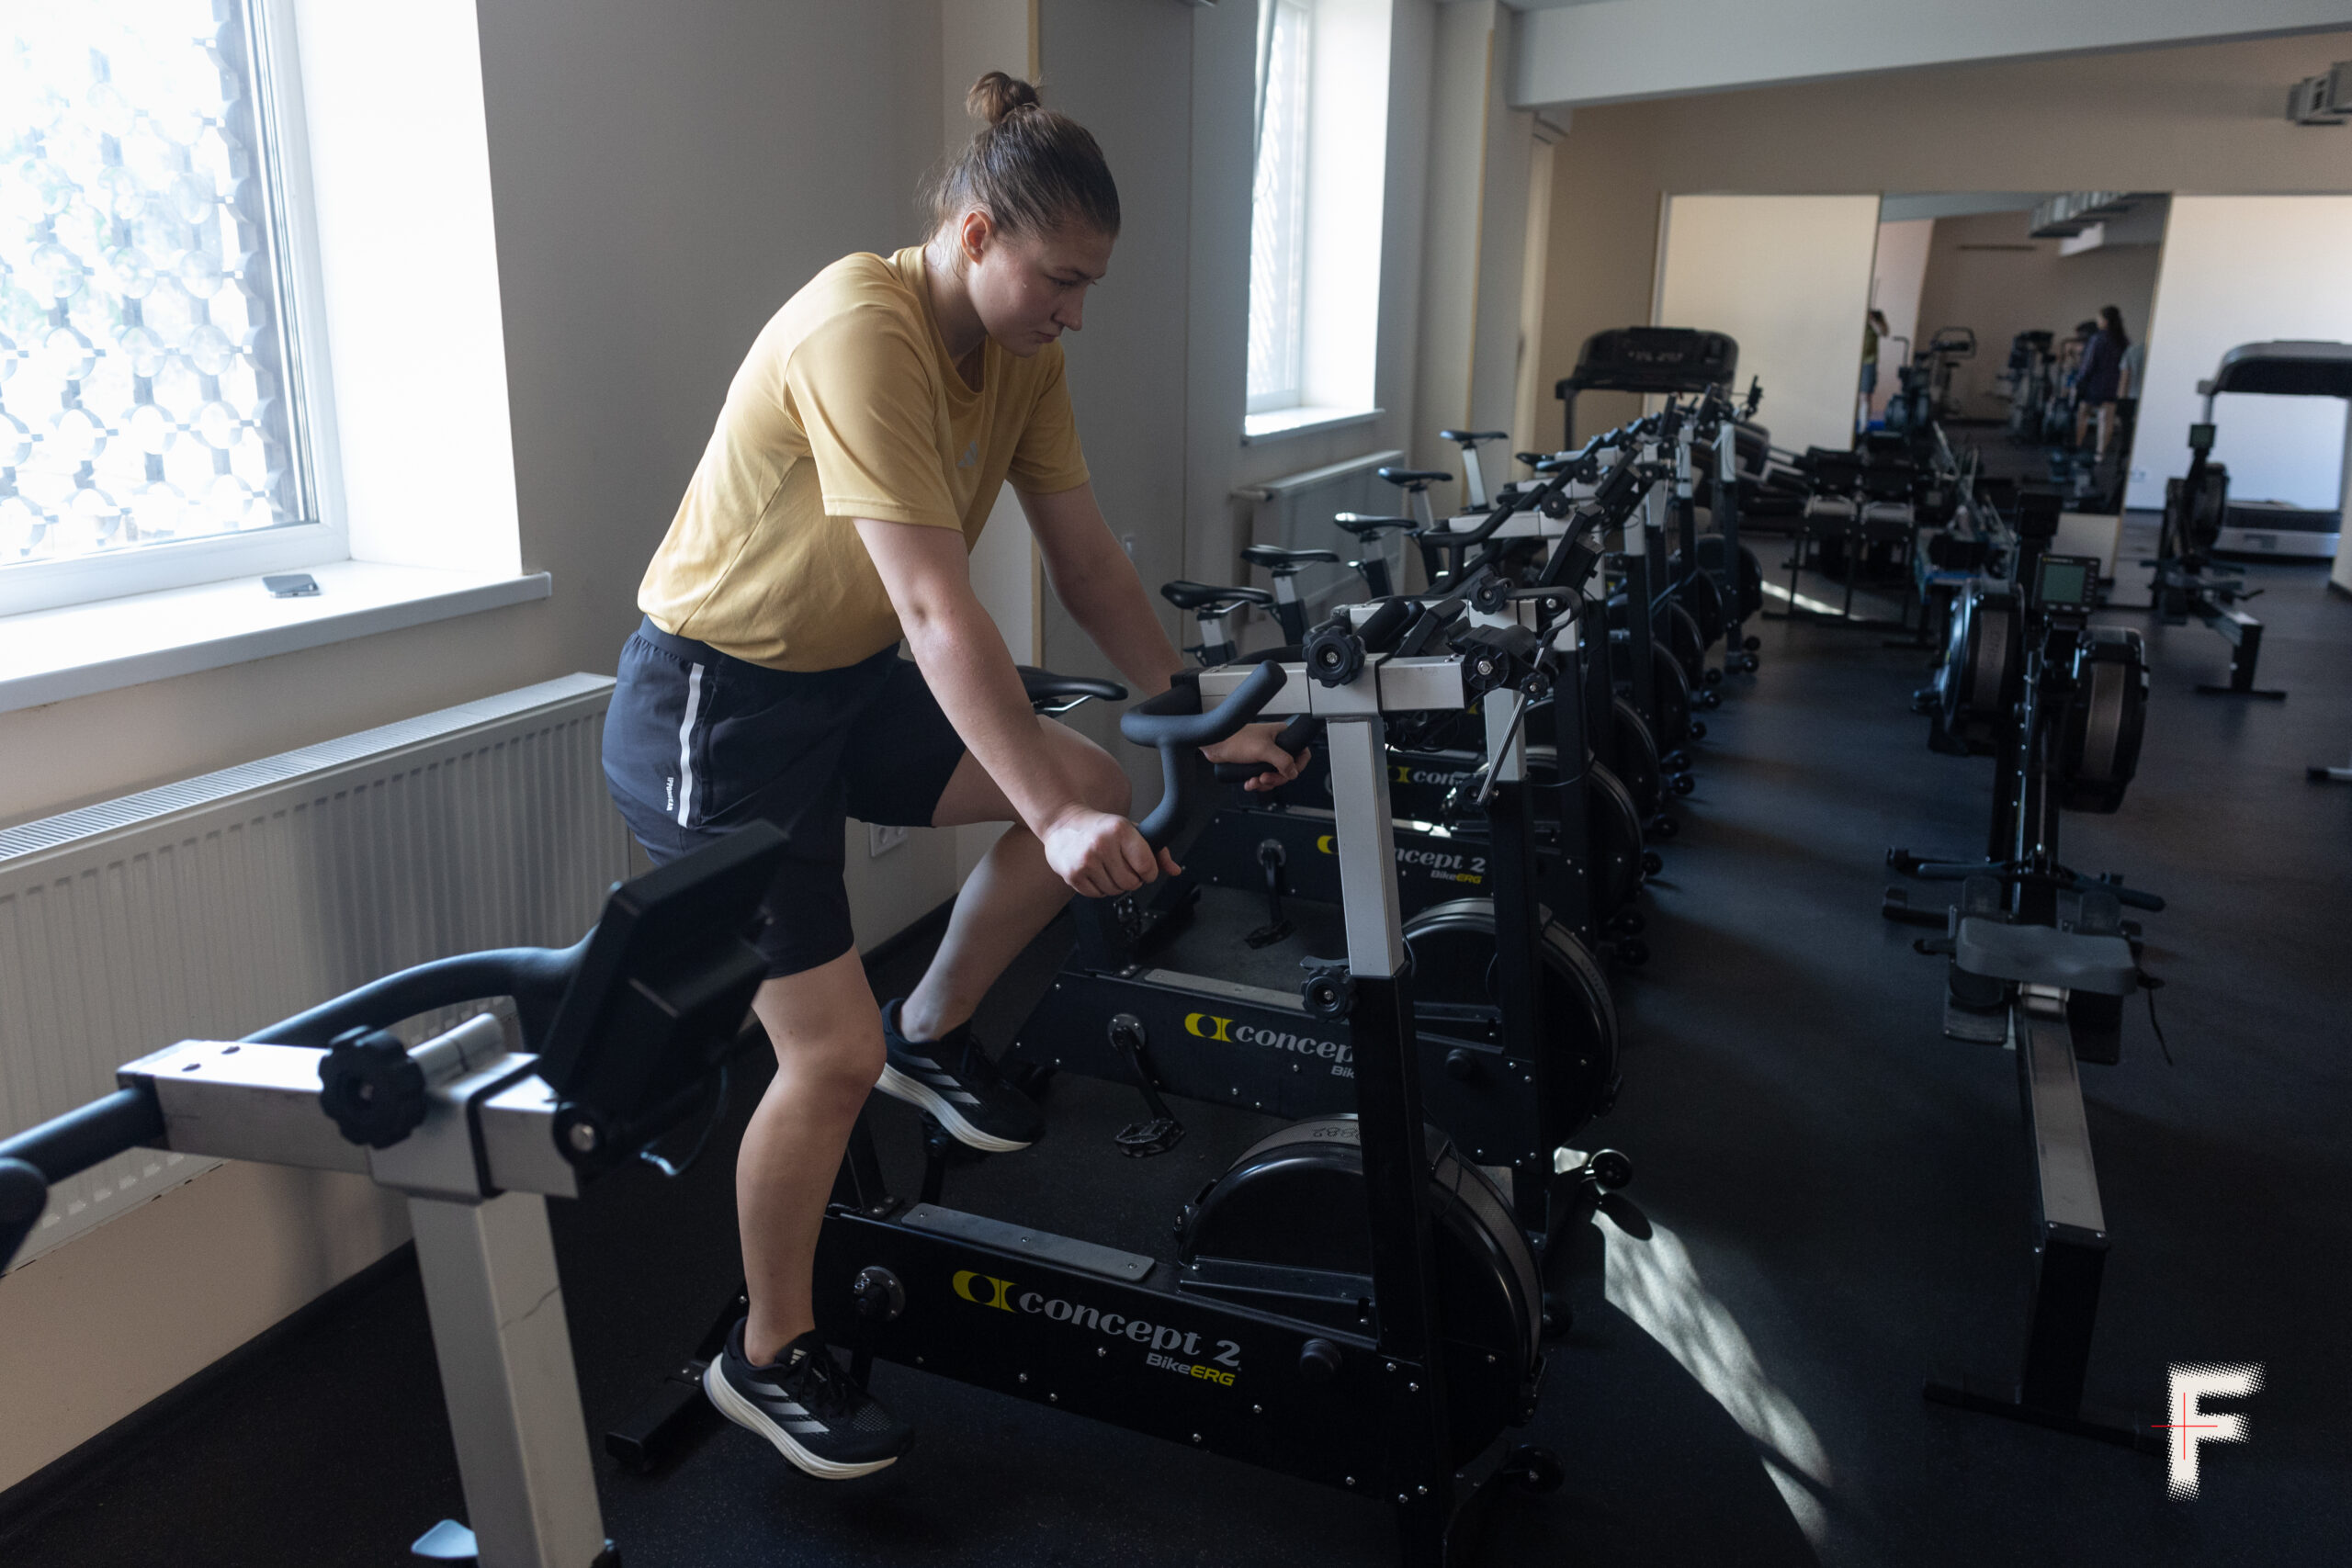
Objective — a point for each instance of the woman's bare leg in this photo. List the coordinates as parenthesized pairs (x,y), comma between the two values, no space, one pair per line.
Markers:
(1012,895)
(828,1038)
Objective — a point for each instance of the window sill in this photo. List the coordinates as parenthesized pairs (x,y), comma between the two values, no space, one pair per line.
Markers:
(1277,424)
(78,650)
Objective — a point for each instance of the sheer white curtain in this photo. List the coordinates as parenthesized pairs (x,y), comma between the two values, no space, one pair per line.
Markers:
(1278,208)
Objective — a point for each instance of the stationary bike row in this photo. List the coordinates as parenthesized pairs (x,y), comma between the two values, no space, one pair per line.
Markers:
(1697,596)
(2039,957)
(1518,1048)
(1280,841)
(1587,878)
(1353,1302)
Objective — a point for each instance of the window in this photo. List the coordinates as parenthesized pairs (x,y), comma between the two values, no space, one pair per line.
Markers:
(1278,210)
(151,400)
(1317,194)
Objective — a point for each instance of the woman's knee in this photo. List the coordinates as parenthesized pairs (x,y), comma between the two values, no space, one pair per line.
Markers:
(839,1064)
(825,1028)
(1103,784)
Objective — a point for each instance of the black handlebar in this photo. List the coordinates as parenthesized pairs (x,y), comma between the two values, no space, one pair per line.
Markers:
(1174,722)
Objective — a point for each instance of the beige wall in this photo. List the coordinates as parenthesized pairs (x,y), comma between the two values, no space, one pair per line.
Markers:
(1989,273)
(1789,277)
(2204,118)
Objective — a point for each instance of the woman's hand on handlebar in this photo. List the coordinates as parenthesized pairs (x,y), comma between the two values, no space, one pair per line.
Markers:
(1256,745)
(1100,853)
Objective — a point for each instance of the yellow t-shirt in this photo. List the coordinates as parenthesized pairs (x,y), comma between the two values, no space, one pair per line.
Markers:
(848,407)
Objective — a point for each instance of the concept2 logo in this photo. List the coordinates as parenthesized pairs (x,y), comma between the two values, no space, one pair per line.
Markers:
(1208,1026)
(2193,1382)
(1164,1343)
(1439,865)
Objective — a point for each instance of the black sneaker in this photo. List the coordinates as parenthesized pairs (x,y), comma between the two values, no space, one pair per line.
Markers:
(954,1081)
(807,1407)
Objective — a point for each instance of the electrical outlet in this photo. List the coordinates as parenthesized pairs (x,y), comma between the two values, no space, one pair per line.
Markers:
(880,841)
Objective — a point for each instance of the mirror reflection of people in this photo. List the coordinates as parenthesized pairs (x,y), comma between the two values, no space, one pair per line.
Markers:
(2098,380)
(1874,327)
(860,449)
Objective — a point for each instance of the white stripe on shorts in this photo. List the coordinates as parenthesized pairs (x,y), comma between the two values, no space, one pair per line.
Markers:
(686,747)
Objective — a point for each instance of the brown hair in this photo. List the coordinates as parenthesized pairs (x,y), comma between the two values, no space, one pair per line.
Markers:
(1031,170)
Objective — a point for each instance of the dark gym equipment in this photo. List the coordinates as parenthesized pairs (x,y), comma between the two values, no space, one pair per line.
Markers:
(2039,957)
(621,1036)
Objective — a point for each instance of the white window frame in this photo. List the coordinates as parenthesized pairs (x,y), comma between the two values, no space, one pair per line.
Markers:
(283,158)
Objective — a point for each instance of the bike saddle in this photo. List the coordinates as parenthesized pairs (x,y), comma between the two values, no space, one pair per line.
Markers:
(1202,595)
(1364,527)
(1275,558)
(1471,437)
(1057,694)
(1415,478)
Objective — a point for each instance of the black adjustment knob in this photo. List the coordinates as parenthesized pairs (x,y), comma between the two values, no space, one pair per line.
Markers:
(1652,862)
(1461,1065)
(1319,1360)
(372,1087)
(1333,653)
(1328,991)
(879,1295)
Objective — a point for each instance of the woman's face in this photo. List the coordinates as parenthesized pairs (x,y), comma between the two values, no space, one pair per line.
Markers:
(1029,288)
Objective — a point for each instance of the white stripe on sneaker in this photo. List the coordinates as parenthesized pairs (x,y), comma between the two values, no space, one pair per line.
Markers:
(917,1093)
(731,1403)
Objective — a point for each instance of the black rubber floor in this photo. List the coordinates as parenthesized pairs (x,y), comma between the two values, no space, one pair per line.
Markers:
(1836,1196)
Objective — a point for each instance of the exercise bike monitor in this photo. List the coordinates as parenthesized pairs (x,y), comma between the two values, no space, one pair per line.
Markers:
(2066,583)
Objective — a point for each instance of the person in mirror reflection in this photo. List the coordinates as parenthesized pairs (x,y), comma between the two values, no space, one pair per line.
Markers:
(2098,380)
(1873,328)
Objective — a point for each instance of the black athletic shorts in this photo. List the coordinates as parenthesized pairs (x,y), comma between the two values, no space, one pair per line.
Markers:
(697,744)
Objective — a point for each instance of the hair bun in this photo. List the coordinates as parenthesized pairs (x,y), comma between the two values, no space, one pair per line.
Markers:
(996,94)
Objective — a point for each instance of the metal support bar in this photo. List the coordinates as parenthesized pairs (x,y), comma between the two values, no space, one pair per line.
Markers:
(1367,838)
(2243,634)
(2070,1244)
(496,1307)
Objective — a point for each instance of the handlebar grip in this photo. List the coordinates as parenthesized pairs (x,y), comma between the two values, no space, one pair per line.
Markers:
(1296,737)
(65,1146)
(1382,627)
(1174,717)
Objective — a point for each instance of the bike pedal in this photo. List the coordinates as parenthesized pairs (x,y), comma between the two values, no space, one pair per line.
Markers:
(1142,1140)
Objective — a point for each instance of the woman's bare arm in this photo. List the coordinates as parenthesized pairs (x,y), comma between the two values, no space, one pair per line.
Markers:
(927,572)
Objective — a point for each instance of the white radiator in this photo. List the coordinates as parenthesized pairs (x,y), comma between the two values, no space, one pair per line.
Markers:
(210,907)
(1296,513)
